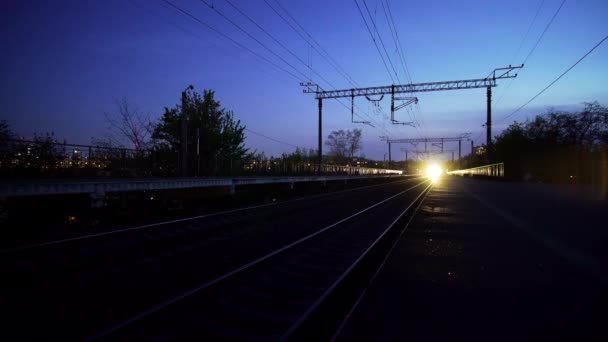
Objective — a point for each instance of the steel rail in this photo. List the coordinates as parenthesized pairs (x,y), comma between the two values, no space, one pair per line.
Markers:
(378,269)
(156,308)
(158,224)
(307,314)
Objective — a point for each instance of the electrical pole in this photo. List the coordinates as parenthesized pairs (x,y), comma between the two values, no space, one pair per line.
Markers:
(320,156)
(472,148)
(459,149)
(459,154)
(489,126)
(487,82)
(389,155)
(198,152)
(183,166)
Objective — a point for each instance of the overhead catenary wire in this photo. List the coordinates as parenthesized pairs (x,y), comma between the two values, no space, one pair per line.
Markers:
(534,47)
(204,24)
(396,40)
(376,44)
(165,20)
(308,38)
(521,44)
(312,41)
(276,140)
(388,13)
(544,31)
(268,34)
(254,38)
(220,33)
(325,55)
(307,65)
(373,21)
(287,49)
(193,17)
(374,41)
(555,80)
(419,121)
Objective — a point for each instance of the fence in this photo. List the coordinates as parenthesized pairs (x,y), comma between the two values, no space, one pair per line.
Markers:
(46,159)
(492,170)
(281,167)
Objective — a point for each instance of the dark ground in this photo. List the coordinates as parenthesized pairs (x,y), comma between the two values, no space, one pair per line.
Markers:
(489,261)
(32,219)
(482,260)
(75,289)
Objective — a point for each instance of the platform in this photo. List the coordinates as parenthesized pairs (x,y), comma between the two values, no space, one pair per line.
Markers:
(16,188)
(487,260)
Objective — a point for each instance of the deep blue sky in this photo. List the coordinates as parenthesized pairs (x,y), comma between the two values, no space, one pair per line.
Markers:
(63,62)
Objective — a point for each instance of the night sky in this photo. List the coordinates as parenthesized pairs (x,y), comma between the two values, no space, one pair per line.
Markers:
(64,62)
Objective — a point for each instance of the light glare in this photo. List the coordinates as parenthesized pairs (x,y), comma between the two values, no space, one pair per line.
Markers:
(433,172)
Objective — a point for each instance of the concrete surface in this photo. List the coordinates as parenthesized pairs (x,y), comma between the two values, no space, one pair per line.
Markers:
(487,260)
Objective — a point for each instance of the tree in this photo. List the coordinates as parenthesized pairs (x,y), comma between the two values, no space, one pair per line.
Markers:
(344,144)
(129,124)
(6,134)
(45,152)
(354,141)
(212,130)
(557,145)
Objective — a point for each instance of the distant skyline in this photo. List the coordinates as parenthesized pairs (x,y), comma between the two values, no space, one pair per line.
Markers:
(64,63)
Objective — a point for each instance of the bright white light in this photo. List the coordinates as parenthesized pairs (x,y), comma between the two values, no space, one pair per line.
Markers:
(433,171)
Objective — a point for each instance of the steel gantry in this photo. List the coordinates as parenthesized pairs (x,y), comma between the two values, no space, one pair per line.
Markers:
(428,153)
(435,142)
(487,82)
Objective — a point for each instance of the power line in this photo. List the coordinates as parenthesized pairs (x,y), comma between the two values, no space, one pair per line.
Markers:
(186,31)
(168,22)
(375,43)
(276,41)
(282,45)
(263,45)
(399,47)
(325,55)
(381,40)
(311,41)
(531,50)
(329,58)
(267,33)
(273,139)
(554,81)
(544,31)
(374,40)
(401,58)
(521,44)
(419,122)
(245,48)
(252,37)
(204,24)
(237,43)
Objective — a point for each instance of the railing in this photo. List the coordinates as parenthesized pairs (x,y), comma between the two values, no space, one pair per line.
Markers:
(51,159)
(279,167)
(46,158)
(492,170)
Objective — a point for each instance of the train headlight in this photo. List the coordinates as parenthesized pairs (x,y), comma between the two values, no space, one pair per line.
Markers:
(433,172)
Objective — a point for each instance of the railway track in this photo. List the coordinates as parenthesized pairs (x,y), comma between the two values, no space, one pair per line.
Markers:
(271,297)
(137,267)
